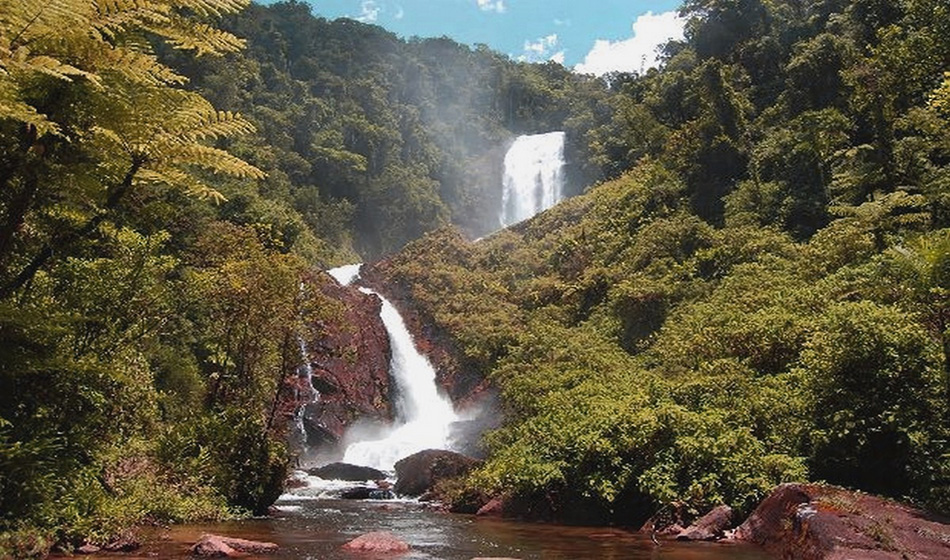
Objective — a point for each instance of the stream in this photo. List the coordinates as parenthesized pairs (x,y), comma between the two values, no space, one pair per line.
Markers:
(314,526)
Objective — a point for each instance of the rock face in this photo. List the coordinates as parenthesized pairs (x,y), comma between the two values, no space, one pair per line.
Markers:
(812,522)
(229,547)
(379,541)
(420,472)
(346,471)
(709,527)
(350,362)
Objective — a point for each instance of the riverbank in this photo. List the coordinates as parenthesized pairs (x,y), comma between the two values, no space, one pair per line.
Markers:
(305,527)
(802,521)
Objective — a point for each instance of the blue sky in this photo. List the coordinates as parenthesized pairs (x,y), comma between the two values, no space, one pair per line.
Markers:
(607,34)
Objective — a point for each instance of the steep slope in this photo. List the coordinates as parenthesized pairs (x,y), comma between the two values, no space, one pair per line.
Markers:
(645,357)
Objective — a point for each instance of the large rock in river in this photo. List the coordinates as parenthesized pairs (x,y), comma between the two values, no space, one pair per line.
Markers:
(817,522)
(709,527)
(350,362)
(420,472)
(346,471)
(229,547)
(379,541)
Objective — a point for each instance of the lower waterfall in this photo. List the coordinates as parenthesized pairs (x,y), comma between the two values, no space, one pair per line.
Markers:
(423,415)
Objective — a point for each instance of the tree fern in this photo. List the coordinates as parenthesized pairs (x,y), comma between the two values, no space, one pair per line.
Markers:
(126,113)
(70,39)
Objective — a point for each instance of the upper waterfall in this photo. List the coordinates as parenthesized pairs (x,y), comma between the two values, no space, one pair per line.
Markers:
(533,176)
(423,415)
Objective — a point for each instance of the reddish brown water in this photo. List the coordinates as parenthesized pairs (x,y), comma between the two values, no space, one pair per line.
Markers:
(316,529)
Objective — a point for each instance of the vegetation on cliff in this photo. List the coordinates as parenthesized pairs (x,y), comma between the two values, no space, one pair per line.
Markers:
(763,297)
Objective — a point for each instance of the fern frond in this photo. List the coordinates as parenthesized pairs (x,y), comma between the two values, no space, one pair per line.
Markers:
(177,178)
(197,120)
(11,107)
(115,17)
(22,21)
(139,67)
(213,159)
(57,69)
(202,38)
(214,8)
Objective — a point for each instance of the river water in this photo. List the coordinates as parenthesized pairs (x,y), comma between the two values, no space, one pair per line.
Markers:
(312,528)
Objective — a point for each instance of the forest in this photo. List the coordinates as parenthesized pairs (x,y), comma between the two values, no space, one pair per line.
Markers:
(751,286)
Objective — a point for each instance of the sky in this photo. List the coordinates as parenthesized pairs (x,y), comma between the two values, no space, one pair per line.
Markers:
(591,36)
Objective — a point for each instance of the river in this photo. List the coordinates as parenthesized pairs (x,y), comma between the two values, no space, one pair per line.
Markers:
(309,528)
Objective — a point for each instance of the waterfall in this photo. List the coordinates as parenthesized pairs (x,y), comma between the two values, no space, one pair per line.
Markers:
(423,415)
(304,392)
(533,176)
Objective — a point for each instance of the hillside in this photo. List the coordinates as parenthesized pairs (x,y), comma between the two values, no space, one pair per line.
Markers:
(761,299)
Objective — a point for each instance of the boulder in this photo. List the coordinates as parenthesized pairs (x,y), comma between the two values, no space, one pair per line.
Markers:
(367,493)
(126,543)
(819,522)
(494,508)
(218,546)
(420,472)
(709,527)
(88,549)
(667,521)
(346,471)
(379,541)
(211,546)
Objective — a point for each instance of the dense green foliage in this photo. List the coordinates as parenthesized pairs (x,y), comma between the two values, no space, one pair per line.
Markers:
(375,140)
(761,298)
(147,334)
(758,291)
(155,244)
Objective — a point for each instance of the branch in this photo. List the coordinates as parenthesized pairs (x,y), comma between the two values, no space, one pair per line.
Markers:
(68,238)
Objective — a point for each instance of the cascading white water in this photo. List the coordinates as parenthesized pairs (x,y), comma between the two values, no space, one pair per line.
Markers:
(423,415)
(304,394)
(533,176)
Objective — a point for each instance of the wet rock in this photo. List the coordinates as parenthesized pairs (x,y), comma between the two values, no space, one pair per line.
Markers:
(494,508)
(127,543)
(346,471)
(218,546)
(294,482)
(211,546)
(666,521)
(817,522)
(350,363)
(420,472)
(709,527)
(379,541)
(367,493)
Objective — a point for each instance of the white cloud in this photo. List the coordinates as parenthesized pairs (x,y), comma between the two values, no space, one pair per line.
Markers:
(637,53)
(400,13)
(543,49)
(497,6)
(369,11)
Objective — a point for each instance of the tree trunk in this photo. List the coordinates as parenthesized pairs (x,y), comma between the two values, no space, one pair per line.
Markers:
(60,242)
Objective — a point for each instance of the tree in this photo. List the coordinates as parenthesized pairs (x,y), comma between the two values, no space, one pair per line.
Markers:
(88,113)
